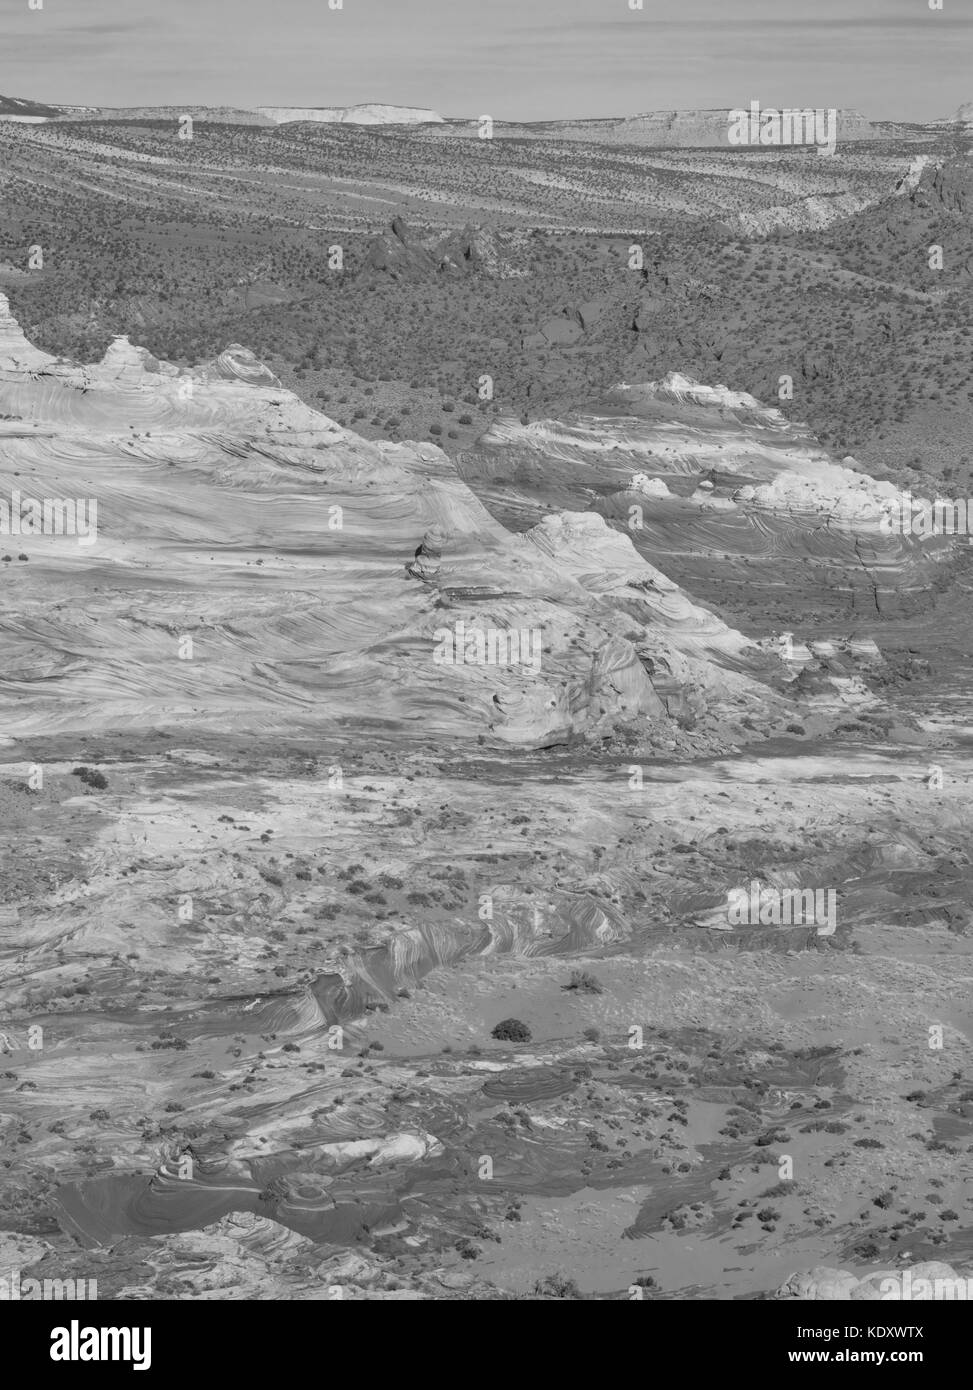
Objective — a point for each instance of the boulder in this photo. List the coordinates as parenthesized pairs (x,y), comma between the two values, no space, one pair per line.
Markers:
(561,331)
(591,311)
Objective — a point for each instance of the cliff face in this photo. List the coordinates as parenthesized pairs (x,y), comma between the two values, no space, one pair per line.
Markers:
(225,115)
(951,185)
(711,127)
(368,113)
(20,108)
(679,129)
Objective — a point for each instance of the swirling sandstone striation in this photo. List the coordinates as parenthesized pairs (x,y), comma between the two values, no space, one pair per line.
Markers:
(247,560)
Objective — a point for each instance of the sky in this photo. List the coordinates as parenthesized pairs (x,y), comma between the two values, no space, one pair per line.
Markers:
(511,59)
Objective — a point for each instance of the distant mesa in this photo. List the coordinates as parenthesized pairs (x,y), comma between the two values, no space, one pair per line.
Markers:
(366,113)
(690,128)
(712,127)
(20,109)
(963,115)
(685,129)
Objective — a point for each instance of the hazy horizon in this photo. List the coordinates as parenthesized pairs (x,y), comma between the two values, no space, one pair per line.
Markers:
(534,61)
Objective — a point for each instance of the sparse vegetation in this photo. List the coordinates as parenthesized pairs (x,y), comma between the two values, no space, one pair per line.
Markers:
(511,1030)
(584,983)
(91,777)
(556,1286)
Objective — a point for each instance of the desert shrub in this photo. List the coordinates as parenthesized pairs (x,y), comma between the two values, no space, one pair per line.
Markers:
(91,777)
(556,1286)
(771,1136)
(511,1030)
(584,982)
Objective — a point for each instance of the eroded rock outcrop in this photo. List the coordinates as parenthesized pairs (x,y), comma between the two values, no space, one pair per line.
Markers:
(270,549)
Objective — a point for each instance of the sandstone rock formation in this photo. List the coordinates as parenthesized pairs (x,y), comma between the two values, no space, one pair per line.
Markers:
(403,253)
(962,116)
(271,545)
(684,129)
(366,113)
